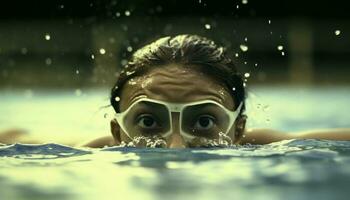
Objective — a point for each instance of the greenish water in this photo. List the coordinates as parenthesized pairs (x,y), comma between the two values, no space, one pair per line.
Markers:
(297,169)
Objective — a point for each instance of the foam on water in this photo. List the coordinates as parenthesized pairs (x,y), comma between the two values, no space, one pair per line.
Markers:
(292,169)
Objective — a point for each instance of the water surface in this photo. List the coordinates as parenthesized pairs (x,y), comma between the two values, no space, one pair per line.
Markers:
(294,169)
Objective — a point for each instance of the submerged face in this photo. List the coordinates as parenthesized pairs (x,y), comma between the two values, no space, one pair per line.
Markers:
(180,85)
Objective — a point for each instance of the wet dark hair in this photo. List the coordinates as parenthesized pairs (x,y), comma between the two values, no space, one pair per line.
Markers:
(186,50)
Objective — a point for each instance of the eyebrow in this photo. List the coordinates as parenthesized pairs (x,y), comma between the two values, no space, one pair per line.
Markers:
(138,94)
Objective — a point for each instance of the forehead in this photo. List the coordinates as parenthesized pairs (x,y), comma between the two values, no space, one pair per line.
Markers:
(177,84)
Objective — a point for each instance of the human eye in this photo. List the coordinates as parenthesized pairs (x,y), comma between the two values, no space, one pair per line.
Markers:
(204,122)
(147,121)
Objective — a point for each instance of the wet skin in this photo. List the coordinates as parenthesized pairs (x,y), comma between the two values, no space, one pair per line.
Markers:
(177,84)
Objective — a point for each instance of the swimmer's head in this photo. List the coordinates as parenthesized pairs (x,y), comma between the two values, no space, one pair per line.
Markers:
(180,69)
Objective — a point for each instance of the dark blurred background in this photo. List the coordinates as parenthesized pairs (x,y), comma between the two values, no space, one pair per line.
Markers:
(64,44)
(59,58)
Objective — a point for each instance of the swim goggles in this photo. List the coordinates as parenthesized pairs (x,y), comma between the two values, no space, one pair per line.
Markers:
(149,117)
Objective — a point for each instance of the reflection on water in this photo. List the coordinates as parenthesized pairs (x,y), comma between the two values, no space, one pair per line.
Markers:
(296,169)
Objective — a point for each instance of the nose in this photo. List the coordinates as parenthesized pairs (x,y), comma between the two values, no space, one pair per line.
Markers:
(176,141)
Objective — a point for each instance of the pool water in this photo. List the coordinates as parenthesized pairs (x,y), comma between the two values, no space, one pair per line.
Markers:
(294,169)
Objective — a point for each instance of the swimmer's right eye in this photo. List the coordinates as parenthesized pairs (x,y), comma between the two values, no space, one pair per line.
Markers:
(147,121)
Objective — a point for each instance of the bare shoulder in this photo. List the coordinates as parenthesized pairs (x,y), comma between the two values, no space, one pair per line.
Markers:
(100,142)
(16,136)
(265,136)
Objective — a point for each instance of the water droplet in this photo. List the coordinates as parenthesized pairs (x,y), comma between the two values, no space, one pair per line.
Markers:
(127,13)
(282,53)
(237,7)
(102,51)
(266,108)
(61,6)
(234,89)
(236,55)
(245,62)
(244,1)
(24,50)
(256,64)
(247,75)
(337,32)
(207,26)
(129,49)
(48,61)
(280,47)
(243,47)
(117,99)
(117,14)
(47,36)
(78,92)
(77,71)
(116,87)
(132,82)
(244,84)
(246,39)
(269,23)
(92,56)
(128,73)
(199,1)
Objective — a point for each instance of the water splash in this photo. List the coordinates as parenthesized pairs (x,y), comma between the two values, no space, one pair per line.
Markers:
(129,48)
(207,26)
(102,51)
(243,47)
(337,32)
(47,37)
(223,140)
(146,141)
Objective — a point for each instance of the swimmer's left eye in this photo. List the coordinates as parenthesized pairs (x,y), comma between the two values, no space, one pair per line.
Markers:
(147,121)
(204,122)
